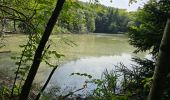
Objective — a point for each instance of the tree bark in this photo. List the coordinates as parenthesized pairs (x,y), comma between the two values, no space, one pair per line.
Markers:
(38,54)
(162,66)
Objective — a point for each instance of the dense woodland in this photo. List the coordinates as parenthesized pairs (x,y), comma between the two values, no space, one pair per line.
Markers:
(88,18)
(148,30)
(94,18)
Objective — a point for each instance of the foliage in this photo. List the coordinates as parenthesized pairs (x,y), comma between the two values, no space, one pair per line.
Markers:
(76,17)
(28,15)
(82,17)
(147,31)
(146,34)
(111,20)
(41,50)
(107,88)
(137,78)
(31,19)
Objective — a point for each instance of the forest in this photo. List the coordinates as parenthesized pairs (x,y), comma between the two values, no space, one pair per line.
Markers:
(107,53)
(102,19)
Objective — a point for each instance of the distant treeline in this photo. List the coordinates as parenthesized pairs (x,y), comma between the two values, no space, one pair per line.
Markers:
(76,17)
(84,17)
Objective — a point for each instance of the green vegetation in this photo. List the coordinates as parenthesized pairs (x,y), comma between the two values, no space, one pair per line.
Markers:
(146,34)
(148,29)
(76,17)
(94,18)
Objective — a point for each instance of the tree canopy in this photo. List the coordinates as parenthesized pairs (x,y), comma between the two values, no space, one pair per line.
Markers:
(76,17)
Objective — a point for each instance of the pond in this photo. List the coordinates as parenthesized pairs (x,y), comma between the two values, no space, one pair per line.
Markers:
(84,53)
(92,54)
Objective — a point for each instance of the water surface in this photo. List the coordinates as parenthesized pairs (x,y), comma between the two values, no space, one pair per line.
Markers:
(84,53)
(94,66)
(92,54)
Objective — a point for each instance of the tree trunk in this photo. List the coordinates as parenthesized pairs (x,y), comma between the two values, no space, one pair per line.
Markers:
(162,66)
(38,54)
(46,83)
(14,24)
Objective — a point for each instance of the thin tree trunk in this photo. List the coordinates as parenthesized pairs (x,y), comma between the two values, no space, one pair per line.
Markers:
(38,54)
(14,23)
(46,83)
(162,67)
(16,75)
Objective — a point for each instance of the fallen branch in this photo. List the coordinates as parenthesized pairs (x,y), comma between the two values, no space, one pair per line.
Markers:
(5,51)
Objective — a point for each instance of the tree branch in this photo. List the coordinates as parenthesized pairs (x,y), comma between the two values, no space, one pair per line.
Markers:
(38,54)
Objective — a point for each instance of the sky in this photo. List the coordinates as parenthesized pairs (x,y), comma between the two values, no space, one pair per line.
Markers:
(123,4)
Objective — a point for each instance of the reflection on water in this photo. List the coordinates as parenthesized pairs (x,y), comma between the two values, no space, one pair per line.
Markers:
(95,53)
(92,65)
(92,45)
